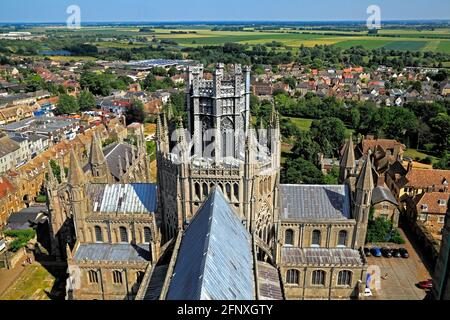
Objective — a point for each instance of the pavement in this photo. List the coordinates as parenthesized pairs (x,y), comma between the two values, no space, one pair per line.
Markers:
(8,276)
(402,274)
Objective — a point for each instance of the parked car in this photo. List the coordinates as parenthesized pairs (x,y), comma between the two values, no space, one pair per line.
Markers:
(404,253)
(426,285)
(386,252)
(367,252)
(396,253)
(376,252)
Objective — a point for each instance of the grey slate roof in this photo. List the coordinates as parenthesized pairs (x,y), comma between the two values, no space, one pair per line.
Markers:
(215,260)
(123,198)
(321,256)
(113,153)
(315,202)
(380,194)
(112,252)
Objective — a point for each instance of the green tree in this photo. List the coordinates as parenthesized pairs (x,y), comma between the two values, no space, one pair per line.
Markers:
(329,131)
(301,171)
(86,100)
(440,125)
(67,105)
(135,113)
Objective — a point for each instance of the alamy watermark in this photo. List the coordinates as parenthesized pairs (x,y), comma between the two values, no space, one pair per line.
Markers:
(374,19)
(74,19)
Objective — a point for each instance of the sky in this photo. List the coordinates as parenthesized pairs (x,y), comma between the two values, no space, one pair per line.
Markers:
(220,10)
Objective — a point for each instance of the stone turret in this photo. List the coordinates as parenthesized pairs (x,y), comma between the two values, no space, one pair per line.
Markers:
(77,187)
(97,160)
(347,165)
(363,199)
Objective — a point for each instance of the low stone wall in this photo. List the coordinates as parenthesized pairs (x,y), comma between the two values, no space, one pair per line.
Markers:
(8,259)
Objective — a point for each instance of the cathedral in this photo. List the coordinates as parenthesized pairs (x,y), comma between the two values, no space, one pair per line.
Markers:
(218,224)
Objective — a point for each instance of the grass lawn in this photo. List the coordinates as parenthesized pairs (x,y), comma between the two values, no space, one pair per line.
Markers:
(31,285)
(413,153)
(305,124)
(302,124)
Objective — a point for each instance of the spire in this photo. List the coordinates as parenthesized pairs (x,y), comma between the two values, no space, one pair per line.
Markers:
(96,156)
(365,181)
(348,158)
(274,119)
(76,174)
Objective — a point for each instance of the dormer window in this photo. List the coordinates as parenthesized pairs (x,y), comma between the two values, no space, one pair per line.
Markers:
(424,207)
(442,202)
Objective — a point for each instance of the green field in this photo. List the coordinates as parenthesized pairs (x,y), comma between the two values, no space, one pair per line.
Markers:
(437,40)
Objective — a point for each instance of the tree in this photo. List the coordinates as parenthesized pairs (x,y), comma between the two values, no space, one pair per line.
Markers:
(301,171)
(329,131)
(135,113)
(306,147)
(441,128)
(86,100)
(67,105)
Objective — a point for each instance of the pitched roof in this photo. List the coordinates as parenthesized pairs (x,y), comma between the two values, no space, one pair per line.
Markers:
(76,174)
(138,198)
(96,155)
(365,179)
(371,144)
(116,153)
(7,146)
(215,260)
(315,202)
(381,194)
(348,157)
(422,178)
(431,199)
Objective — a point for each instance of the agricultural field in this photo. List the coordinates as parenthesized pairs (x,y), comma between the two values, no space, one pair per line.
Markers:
(437,40)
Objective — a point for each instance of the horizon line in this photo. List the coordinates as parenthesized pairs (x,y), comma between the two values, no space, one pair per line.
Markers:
(225,21)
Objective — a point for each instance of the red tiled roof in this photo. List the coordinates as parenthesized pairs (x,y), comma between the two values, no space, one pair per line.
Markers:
(431,200)
(424,178)
(6,187)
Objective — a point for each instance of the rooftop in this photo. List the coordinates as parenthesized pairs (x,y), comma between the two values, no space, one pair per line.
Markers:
(321,257)
(112,252)
(123,198)
(315,202)
(215,260)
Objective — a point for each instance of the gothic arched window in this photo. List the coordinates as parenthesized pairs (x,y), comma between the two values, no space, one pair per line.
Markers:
(318,278)
(147,235)
(289,237)
(123,234)
(345,278)
(227,130)
(98,234)
(197,190)
(342,238)
(292,276)
(117,277)
(315,238)
(205,190)
(93,276)
(236,191)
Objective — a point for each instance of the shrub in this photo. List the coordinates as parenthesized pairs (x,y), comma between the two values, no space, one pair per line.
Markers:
(21,238)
